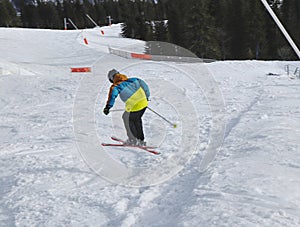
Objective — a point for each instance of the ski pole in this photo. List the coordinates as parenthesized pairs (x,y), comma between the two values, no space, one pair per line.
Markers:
(174,125)
(116,110)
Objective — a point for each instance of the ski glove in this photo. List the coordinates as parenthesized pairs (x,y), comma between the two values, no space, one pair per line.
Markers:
(106,110)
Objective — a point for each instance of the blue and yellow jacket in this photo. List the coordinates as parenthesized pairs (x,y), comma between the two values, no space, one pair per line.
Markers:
(133,91)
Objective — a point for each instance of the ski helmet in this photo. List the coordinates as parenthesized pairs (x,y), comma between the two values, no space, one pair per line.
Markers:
(111,75)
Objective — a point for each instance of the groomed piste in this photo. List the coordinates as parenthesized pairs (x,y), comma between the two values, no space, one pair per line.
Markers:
(51,121)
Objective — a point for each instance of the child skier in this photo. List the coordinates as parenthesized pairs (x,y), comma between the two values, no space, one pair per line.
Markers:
(135,93)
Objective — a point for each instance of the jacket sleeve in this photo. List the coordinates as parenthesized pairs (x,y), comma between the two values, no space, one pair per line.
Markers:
(113,94)
(145,88)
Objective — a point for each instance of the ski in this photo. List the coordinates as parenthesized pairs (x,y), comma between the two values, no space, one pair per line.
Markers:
(121,144)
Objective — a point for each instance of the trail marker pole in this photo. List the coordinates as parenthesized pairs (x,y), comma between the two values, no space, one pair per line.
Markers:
(73,24)
(281,27)
(88,16)
(65,24)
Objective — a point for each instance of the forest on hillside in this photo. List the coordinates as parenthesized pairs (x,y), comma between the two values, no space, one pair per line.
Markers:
(223,29)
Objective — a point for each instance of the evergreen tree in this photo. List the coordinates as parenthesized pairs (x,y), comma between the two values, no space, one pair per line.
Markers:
(48,15)
(29,15)
(143,29)
(79,13)
(160,31)
(176,13)
(100,14)
(135,22)
(59,8)
(219,11)
(159,26)
(8,17)
(128,12)
(4,16)
(237,30)
(256,35)
(113,10)
(200,30)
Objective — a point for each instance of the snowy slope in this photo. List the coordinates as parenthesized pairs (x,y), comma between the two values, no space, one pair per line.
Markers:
(55,173)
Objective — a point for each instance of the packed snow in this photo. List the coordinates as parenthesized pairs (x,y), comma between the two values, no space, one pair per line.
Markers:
(232,160)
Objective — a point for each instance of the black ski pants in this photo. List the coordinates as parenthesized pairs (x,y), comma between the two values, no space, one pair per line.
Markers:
(133,124)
